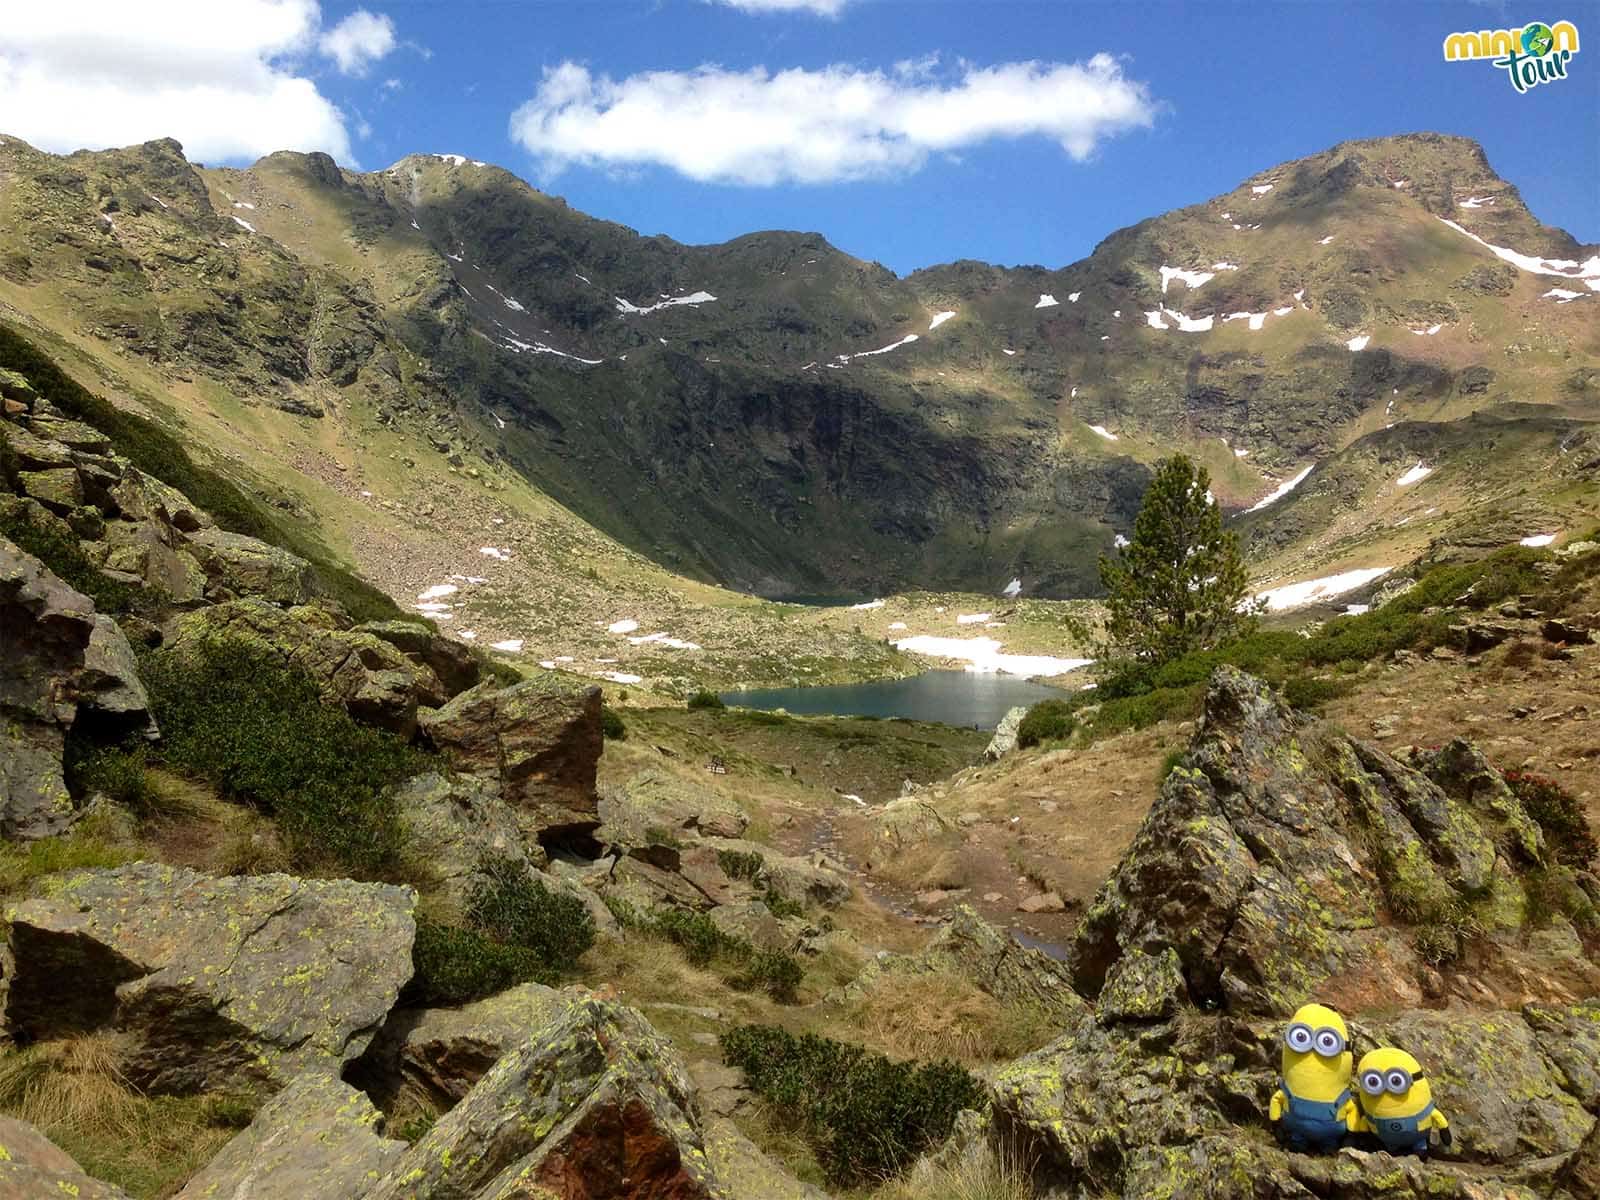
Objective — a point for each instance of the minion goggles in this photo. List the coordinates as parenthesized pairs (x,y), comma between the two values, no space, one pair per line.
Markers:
(1396,1081)
(1327,1042)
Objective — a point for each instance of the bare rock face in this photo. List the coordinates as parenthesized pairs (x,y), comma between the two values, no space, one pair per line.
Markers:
(57,657)
(539,740)
(212,980)
(462,821)
(594,1106)
(317,1137)
(1283,858)
(33,1167)
(241,565)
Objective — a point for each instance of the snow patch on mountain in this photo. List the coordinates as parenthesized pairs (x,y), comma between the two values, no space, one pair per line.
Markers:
(1588,270)
(1298,595)
(627,307)
(982,655)
(1359,342)
(1046,300)
(1538,539)
(938,320)
(1415,475)
(1103,432)
(1282,490)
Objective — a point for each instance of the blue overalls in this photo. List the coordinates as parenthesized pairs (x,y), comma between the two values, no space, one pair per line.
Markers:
(1402,1135)
(1314,1124)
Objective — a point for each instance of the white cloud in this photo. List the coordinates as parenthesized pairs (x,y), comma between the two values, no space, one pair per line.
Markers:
(358,41)
(825,126)
(825,8)
(227,78)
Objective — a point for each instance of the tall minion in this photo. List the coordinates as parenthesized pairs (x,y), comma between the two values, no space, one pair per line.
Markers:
(1313,1106)
(1397,1102)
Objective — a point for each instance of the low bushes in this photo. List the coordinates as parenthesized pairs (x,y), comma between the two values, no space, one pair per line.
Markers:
(611,724)
(258,731)
(738,961)
(517,930)
(63,555)
(706,700)
(1560,814)
(866,1116)
(1046,721)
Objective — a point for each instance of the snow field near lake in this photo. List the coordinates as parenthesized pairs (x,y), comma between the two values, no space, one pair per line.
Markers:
(866,605)
(1282,490)
(1299,595)
(982,655)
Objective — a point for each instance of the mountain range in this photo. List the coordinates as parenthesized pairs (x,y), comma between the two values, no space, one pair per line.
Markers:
(1383,325)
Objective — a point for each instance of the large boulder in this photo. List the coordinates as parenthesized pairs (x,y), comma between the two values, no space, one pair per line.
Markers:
(1283,858)
(437,1055)
(594,1106)
(33,1167)
(463,823)
(212,981)
(1004,740)
(316,1138)
(48,629)
(238,565)
(372,679)
(743,1172)
(539,740)
(109,684)
(451,661)
(655,800)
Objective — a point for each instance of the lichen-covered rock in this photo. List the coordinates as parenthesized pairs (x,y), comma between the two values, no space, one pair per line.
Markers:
(1142,987)
(109,683)
(48,628)
(451,661)
(1579,1176)
(653,799)
(210,980)
(58,489)
(316,1138)
(813,879)
(439,1054)
(539,740)
(462,822)
(373,680)
(32,1167)
(141,497)
(1282,858)
(1004,740)
(246,566)
(594,1106)
(742,1172)
(908,821)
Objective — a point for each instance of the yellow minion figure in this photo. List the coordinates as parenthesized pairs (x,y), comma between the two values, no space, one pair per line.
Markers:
(1313,1106)
(1397,1102)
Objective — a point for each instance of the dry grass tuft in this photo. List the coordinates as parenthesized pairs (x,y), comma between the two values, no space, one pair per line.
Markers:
(943,1015)
(985,1175)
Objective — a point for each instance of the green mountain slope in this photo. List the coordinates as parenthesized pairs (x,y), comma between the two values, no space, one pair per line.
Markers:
(779,417)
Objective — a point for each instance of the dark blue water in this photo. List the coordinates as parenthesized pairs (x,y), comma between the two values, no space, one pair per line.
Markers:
(952,697)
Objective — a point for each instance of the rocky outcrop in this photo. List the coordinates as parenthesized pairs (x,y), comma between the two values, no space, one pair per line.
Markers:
(594,1106)
(211,981)
(1283,858)
(992,960)
(742,1172)
(246,566)
(655,800)
(462,822)
(539,741)
(372,679)
(1004,740)
(58,660)
(318,1137)
(449,660)
(32,1167)
(439,1054)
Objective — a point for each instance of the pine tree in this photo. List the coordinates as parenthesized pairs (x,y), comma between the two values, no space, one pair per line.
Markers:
(1179,584)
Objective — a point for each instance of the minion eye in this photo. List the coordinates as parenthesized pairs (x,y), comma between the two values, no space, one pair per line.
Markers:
(1398,1082)
(1299,1038)
(1372,1083)
(1329,1043)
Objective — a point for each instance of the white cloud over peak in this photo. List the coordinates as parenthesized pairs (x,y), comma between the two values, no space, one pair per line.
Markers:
(826,8)
(227,78)
(832,125)
(358,41)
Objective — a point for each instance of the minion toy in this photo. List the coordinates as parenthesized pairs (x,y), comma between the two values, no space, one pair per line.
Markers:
(1397,1102)
(1313,1107)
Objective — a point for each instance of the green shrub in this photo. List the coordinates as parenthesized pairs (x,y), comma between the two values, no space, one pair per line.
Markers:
(705,699)
(452,965)
(611,724)
(156,452)
(1308,692)
(516,908)
(1169,764)
(771,971)
(740,864)
(257,730)
(116,771)
(1046,721)
(1560,814)
(63,554)
(866,1116)
(705,945)
(1140,712)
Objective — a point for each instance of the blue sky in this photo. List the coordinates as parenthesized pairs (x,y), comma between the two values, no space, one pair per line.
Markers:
(963,150)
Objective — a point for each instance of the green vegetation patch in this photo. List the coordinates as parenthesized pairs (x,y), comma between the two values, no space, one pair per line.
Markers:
(866,1116)
(1046,721)
(258,731)
(737,960)
(1560,814)
(59,550)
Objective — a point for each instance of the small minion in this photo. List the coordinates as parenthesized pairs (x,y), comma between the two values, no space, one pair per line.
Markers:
(1397,1102)
(1313,1107)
